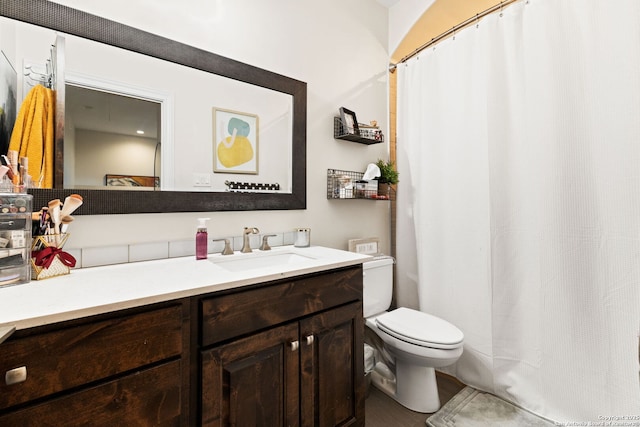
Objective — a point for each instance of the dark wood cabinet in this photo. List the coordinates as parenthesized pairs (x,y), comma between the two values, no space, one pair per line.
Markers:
(306,372)
(332,371)
(253,381)
(96,372)
(282,353)
(150,397)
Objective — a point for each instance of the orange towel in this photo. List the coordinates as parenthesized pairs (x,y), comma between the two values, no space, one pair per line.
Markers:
(32,135)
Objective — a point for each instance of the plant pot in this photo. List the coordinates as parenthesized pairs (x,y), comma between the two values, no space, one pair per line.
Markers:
(384,189)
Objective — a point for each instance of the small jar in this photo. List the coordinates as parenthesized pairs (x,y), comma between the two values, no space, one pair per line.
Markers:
(302,237)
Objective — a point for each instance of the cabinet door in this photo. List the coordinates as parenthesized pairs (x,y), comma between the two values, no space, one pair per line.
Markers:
(253,381)
(331,354)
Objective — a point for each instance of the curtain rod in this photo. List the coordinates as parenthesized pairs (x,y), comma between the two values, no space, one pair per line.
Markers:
(463,24)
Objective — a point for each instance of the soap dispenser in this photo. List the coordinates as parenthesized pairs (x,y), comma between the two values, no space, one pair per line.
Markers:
(201,239)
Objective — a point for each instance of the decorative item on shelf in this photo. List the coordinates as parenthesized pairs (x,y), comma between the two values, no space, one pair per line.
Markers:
(349,122)
(371,131)
(340,184)
(47,257)
(346,127)
(388,177)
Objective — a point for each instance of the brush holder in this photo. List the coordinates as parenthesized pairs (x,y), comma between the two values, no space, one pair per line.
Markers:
(47,257)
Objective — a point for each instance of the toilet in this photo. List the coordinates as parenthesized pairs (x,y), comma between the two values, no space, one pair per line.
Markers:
(414,343)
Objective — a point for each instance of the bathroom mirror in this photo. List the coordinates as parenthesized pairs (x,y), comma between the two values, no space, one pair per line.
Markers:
(76,23)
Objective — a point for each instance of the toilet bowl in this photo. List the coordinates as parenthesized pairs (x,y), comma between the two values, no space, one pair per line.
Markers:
(414,342)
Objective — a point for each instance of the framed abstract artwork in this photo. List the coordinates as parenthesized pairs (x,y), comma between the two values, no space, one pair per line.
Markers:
(235,142)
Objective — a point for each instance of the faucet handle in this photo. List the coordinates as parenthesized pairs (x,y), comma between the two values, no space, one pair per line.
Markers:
(227,246)
(265,242)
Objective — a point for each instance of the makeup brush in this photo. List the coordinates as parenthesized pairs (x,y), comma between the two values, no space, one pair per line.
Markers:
(71,203)
(54,212)
(65,221)
(13,158)
(6,162)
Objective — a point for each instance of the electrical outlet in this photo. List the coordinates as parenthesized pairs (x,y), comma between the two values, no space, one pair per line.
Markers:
(368,246)
(201,180)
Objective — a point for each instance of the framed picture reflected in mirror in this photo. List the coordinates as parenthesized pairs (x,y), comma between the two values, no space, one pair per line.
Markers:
(112,180)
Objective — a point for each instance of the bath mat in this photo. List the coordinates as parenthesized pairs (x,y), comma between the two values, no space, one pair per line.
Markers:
(473,408)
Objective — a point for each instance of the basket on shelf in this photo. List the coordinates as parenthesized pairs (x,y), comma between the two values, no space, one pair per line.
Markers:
(342,184)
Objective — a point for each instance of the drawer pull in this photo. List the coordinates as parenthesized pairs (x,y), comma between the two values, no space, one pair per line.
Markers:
(15,376)
(310,339)
(294,345)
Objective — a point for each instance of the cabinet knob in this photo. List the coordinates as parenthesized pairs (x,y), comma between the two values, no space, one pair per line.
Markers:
(294,345)
(15,376)
(310,339)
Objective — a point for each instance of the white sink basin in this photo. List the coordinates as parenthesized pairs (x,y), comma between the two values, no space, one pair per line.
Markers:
(257,260)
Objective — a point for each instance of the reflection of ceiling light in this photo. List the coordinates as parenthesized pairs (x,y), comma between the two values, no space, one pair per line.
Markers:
(140,132)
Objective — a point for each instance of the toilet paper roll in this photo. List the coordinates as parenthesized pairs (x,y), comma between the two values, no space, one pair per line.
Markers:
(369,358)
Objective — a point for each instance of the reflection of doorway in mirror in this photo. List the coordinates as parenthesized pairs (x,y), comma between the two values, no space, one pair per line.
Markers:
(235,142)
(112,127)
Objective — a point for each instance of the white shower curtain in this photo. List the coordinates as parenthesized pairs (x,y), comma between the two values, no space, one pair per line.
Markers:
(519,159)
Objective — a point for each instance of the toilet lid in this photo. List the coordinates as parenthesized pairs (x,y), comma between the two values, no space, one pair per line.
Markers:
(420,328)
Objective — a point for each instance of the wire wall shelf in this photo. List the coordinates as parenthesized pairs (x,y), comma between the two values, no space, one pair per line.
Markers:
(342,184)
(366,135)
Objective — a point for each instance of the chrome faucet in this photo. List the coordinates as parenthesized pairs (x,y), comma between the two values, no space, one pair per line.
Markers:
(246,246)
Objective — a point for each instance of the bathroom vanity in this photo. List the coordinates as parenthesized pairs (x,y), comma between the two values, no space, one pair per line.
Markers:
(182,342)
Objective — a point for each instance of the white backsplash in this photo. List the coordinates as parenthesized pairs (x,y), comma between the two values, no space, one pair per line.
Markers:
(147,251)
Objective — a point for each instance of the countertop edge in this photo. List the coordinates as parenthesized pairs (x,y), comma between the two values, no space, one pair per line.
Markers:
(63,315)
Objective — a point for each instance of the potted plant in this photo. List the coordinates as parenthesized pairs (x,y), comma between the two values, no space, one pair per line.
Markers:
(388,176)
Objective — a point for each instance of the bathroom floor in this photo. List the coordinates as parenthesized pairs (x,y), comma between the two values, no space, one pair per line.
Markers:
(383,411)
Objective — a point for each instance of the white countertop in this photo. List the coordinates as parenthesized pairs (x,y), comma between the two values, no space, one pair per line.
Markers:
(98,290)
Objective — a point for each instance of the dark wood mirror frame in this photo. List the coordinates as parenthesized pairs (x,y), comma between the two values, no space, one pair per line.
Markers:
(71,21)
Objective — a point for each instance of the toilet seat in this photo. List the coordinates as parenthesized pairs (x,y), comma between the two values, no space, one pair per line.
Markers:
(420,328)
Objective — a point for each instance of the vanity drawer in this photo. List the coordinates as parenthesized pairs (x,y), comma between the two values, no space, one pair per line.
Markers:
(145,398)
(65,358)
(240,313)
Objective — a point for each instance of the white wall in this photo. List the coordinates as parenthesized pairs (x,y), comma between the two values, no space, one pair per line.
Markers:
(339,48)
(402,16)
(98,154)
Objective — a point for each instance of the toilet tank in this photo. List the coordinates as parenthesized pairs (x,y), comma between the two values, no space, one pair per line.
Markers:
(377,285)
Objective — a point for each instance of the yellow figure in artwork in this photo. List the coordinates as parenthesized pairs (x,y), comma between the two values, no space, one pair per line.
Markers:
(236,148)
